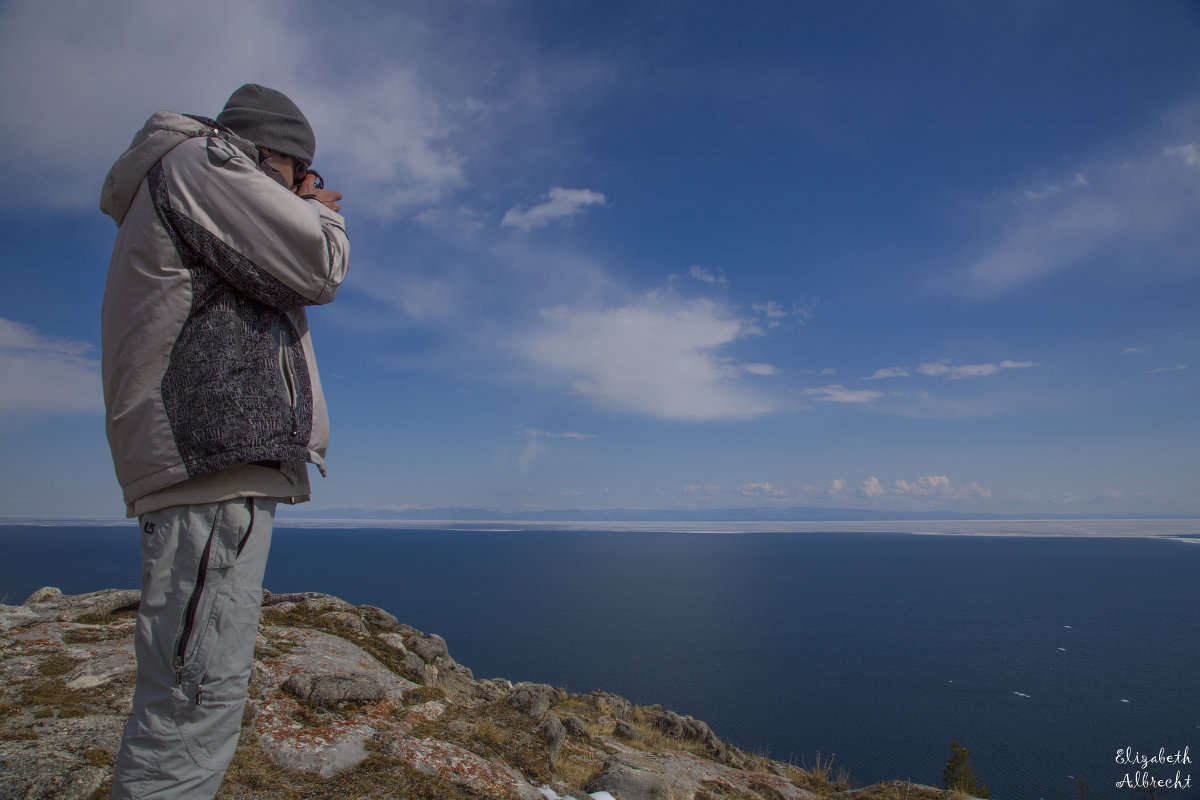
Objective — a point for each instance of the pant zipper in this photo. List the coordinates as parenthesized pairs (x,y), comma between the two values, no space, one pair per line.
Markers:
(189,614)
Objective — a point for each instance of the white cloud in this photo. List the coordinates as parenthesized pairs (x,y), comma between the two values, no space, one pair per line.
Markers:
(1189,153)
(559,204)
(888,372)
(538,433)
(388,139)
(45,376)
(653,356)
(764,490)
(708,489)
(1133,351)
(939,487)
(707,276)
(1176,368)
(759,369)
(773,313)
(871,488)
(770,310)
(952,373)
(836,393)
(384,138)
(836,487)
(1133,209)
(537,447)
(1075,181)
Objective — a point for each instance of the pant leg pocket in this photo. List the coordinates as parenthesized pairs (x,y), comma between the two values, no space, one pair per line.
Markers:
(208,709)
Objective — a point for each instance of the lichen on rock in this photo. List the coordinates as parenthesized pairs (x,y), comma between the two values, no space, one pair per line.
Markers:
(346,700)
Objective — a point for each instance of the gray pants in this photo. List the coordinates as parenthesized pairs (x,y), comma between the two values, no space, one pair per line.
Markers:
(202,572)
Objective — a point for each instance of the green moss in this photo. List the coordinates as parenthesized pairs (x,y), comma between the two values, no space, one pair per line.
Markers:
(120,615)
(97,757)
(55,665)
(90,635)
(51,699)
(423,694)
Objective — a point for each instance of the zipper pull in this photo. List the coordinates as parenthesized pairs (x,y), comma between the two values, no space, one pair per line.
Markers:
(199,694)
(178,670)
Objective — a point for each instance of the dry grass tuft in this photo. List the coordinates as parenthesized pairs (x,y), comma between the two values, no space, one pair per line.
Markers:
(820,778)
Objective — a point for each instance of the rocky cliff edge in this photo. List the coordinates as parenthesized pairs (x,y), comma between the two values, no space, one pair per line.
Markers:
(345,701)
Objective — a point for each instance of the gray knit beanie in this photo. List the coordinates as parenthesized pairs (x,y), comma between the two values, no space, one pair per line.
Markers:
(269,119)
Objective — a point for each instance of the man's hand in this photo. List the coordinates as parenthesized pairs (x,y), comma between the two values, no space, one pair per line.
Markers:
(307,188)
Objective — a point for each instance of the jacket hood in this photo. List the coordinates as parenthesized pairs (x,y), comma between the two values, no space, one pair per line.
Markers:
(161,133)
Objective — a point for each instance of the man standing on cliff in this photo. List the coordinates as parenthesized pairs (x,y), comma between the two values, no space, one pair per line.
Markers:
(214,406)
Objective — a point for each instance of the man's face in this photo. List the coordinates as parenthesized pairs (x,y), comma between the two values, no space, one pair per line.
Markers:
(285,165)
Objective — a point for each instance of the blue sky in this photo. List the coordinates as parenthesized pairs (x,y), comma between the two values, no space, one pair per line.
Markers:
(906,256)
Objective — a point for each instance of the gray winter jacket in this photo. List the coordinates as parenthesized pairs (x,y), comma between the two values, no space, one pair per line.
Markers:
(207,360)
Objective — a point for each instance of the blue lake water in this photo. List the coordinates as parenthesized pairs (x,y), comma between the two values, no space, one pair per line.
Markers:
(1043,655)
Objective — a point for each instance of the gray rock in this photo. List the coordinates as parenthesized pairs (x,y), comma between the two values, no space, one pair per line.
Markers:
(624,730)
(681,727)
(42,595)
(577,727)
(52,607)
(533,699)
(313,601)
(428,647)
(347,619)
(414,664)
(394,640)
(99,670)
(379,618)
(298,685)
(493,689)
(75,784)
(614,704)
(461,767)
(327,602)
(633,778)
(555,734)
(329,690)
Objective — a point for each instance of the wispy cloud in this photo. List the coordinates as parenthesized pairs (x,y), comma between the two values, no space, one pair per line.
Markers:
(558,204)
(953,372)
(1176,368)
(836,393)
(707,276)
(1133,351)
(887,372)
(540,446)
(1138,205)
(538,433)
(763,490)
(44,376)
(944,369)
(655,355)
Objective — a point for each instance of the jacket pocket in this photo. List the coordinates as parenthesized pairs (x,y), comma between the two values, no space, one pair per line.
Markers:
(287,367)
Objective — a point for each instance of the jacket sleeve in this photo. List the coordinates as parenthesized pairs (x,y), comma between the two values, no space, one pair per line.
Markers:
(223,211)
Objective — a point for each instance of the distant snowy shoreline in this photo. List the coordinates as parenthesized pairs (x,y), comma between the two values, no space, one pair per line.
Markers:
(1184,530)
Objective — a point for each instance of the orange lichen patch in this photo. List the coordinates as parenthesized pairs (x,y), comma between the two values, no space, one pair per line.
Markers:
(452,763)
(425,712)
